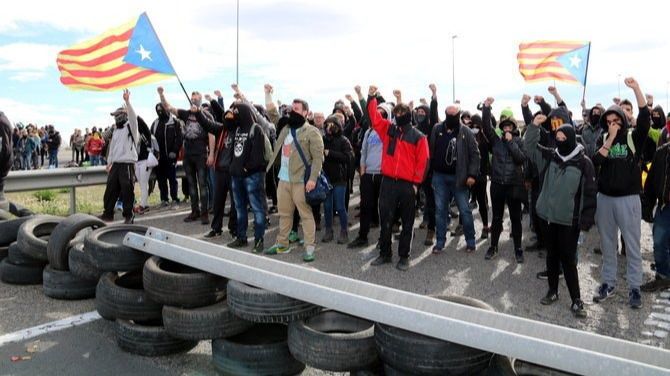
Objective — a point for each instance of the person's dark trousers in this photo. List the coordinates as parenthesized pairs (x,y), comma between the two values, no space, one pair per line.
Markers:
(43,153)
(120,184)
(296,221)
(429,205)
(537,222)
(53,158)
(196,173)
(502,195)
(479,193)
(396,195)
(370,186)
(661,236)
(249,191)
(562,252)
(211,186)
(223,184)
(167,173)
(271,182)
(316,212)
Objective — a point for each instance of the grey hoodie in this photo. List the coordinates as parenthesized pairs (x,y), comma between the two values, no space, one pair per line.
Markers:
(371,152)
(121,148)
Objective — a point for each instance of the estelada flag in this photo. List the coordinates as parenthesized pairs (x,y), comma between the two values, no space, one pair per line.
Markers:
(128,55)
(566,61)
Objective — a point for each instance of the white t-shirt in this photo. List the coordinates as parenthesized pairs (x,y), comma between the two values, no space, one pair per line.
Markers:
(285,156)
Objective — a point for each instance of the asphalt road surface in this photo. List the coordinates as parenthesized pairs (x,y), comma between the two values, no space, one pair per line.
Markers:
(90,349)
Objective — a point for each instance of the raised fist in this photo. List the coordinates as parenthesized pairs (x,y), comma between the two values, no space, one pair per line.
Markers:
(397,93)
(372,90)
(357,89)
(489,101)
(539,119)
(235,88)
(349,97)
(631,83)
(525,100)
(552,90)
(268,89)
(538,99)
(160,90)
(217,93)
(433,88)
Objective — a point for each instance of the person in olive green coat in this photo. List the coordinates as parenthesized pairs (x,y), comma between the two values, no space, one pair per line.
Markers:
(567,205)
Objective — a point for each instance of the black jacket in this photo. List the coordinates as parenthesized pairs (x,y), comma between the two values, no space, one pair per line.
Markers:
(467,152)
(144,141)
(508,157)
(619,173)
(657,185)
(223,145)
(54,140)
(6,146)
(168,135)
(339,158)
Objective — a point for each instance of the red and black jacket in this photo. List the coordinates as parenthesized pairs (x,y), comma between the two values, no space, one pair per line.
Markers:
(405,155)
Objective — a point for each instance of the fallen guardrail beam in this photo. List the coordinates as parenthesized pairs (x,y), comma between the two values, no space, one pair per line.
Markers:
(533,341)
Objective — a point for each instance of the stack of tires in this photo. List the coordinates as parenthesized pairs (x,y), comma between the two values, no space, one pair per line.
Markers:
(69,275)
(26,254)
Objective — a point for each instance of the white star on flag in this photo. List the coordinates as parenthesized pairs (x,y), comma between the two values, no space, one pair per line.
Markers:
(144,53)
(575,61)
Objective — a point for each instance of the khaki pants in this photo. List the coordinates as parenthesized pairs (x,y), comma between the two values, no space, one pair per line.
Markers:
(290,196)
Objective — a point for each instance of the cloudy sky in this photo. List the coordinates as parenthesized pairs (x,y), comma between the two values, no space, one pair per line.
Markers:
(320,50)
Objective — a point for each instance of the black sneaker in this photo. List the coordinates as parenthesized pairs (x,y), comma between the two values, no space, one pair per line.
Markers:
(545,275)
(635,299)
(238,243)
(213,234)
(604,292)
(403,264)
(258,246)
(577,309)
(380,260)
(485,233)
(655,285)
(357,243)
(491,253)
(550,298)
(518,255)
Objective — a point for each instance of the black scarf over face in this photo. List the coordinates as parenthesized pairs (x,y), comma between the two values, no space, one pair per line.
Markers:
(163,116)
(295,120)
(570,143)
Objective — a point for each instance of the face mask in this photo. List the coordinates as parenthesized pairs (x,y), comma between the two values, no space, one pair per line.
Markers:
(403,120)
(120,120)
(452,122)
(196,102)
(162,115)
(657,123)
(475,130)
(296,120)
(595,118)
(420,118)
(384,115)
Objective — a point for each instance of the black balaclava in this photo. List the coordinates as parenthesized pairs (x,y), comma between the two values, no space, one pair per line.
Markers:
(295,120)
(244,116)
(453,121)
(594,119)
(120,119)
(404,119)
(163,115)
(566,147)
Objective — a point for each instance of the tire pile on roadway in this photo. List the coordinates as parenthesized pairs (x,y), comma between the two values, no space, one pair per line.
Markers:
(160,307)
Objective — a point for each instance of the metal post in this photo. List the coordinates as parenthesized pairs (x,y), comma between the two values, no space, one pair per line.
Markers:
(453,68)
(73,200)
(237,46)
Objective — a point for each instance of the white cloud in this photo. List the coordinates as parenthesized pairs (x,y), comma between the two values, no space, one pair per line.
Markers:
(27,61)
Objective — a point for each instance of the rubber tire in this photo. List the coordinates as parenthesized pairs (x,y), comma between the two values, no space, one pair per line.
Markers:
(333,341)
(20,274)
(529,369)
(146,340)
(421,355)
(4,252)
(63,285)
(261,350)
(210,322)
(263,306)
(58,247)
(173,284)
(9,230)
(81,266)
(30,233)
(17,257)
(122,297)
(113,256)
(19,210)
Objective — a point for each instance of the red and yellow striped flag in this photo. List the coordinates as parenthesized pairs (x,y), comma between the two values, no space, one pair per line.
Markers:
(554,60)
(128,55)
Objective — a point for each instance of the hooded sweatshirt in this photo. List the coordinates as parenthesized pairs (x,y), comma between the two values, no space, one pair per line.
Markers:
(5,144)
(619,173)
(167,130)
(340,153)
(657,124)
(248,147)
(121,148)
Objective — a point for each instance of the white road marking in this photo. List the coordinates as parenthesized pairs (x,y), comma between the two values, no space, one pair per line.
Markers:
(49,327)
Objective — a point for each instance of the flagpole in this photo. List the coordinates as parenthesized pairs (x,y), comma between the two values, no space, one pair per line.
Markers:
(586,73)
(168,59)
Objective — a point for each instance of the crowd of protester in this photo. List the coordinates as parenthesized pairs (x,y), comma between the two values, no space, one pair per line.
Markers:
(607,170)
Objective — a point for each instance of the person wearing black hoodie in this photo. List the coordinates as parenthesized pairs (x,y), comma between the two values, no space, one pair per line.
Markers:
(426,119)
(338,156)
(247,170)
(5,156)
(479,189)
(619,185)
(167,131)
(506,179)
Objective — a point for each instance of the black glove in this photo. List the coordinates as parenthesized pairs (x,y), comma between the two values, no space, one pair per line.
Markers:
(647,215)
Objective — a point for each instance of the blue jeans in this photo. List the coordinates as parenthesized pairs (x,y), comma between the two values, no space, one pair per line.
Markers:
(444,188)
(26,161)
(53,158)
(95,160)
(661,233)
(336,197)
(249,191)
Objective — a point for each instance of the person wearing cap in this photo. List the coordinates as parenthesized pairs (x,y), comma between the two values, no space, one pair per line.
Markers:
(454,162)
(404,163)
(507,175)
(121,159)
(338,156)
(619,184)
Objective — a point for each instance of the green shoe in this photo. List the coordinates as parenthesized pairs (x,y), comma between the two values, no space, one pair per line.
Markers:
(293,237)
(309,254)
(277,249)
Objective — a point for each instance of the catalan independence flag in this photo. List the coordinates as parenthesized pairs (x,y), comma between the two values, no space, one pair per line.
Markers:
(128,55)
(566,61)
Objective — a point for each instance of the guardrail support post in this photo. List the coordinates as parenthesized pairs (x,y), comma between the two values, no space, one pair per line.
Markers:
(73,200)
